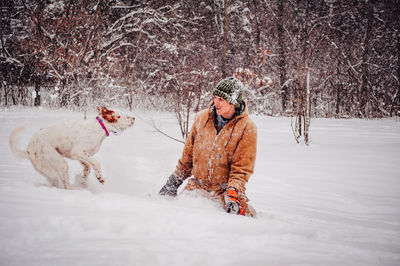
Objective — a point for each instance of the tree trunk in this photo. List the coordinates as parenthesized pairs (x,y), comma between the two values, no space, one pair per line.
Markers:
(396,98)
(37,92)
(307,115)
(338,97)
(130,95)
(300,104)
(64,95)
(258,30)
(364,86)
(282,57)
(224,48)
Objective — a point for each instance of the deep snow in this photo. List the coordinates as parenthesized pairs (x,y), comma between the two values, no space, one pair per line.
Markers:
(336,202)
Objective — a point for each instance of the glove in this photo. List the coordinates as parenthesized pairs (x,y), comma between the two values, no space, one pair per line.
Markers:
(171,187)
(232,202)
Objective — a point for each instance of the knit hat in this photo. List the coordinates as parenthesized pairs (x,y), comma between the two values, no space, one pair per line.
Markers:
(230,89)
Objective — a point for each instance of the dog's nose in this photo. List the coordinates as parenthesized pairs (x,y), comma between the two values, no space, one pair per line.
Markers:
(133,118)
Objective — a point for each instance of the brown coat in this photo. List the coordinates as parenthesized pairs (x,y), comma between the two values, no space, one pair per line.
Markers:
(218,161)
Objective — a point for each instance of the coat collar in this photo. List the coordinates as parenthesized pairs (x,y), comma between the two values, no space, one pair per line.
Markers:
(241,115)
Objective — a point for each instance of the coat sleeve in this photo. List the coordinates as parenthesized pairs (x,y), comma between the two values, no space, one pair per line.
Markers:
(243,159)
(185,163)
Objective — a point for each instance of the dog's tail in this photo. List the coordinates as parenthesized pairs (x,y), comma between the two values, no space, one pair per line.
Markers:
(13,140)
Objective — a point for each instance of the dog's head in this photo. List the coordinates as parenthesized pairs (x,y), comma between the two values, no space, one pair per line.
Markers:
(116,120)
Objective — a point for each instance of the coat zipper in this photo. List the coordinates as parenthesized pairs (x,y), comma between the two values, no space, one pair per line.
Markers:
(211,157)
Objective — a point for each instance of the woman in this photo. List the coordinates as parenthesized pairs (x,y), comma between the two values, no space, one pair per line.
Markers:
(220,150)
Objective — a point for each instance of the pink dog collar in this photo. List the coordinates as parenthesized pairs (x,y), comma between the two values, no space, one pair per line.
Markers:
(102,125)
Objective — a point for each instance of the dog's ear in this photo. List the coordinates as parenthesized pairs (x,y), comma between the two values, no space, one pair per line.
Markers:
(107,114)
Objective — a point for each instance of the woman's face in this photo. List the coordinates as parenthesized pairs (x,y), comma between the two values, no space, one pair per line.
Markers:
(223,107)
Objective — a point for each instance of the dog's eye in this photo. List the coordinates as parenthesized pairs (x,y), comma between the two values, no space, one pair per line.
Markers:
(119,117)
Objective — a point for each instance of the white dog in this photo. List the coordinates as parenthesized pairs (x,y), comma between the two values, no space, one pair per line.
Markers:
(76,140)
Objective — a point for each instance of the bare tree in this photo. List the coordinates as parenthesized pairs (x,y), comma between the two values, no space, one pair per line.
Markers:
(282,56)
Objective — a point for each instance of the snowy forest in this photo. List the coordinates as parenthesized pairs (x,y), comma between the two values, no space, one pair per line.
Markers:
(334,201)
(331,58)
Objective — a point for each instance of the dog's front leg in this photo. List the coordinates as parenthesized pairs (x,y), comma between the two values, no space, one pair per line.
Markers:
(86,159)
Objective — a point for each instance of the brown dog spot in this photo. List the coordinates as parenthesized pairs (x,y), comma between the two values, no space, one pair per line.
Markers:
(109,115)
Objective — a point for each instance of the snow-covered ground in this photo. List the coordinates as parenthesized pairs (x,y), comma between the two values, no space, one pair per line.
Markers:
(336,202)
